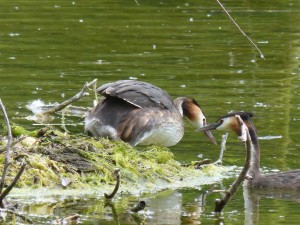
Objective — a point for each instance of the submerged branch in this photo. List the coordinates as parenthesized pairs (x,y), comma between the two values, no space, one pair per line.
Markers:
(221,203)
(240,29)
(76,97)
(110,196)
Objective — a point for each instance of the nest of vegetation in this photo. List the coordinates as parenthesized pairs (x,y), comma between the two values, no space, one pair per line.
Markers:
(57,159)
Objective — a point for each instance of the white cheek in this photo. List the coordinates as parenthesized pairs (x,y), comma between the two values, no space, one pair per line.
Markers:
(199,122)
(225,125)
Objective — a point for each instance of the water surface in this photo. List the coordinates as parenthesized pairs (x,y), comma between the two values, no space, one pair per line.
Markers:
(49,49)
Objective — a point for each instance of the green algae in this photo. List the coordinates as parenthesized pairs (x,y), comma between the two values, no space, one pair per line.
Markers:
(87,162)
(18,131)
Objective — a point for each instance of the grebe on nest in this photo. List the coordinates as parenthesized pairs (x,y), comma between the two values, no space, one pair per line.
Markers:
(142,114)
(284,180)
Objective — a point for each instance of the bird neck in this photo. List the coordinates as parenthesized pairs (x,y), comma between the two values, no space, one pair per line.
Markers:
(255,153)
(178,104)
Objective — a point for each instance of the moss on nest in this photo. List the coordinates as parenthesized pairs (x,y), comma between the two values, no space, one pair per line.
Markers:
(18,131)
(54,157)
(84,160)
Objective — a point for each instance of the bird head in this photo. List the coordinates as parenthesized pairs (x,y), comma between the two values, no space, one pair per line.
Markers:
(189,108)
(229,122)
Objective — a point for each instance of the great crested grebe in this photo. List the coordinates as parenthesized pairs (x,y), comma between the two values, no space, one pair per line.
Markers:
(284,180)
(142,114)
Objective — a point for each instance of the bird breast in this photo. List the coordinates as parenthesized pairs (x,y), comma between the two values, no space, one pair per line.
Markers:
(163,136)
(151,126)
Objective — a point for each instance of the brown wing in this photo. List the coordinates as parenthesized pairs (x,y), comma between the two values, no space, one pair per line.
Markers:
(138,93)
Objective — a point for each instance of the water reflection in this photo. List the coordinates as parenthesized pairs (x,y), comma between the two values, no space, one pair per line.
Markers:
(183,206)
(256,210)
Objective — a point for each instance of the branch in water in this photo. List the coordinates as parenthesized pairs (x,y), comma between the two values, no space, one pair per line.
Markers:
(110,196)
(221,203)
(240,29)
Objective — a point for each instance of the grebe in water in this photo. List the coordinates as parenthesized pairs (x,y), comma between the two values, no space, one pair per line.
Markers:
(284,180)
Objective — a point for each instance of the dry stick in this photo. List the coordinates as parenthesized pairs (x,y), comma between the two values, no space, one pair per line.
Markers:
(223,148)
(96,94)
(17,214)
(76,97)
(221,203)
(110,196)
(7,161)
(7,154)
(13,183)
(240,29)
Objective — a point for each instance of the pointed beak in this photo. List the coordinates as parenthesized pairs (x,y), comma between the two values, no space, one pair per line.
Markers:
(208,133)
(209,127)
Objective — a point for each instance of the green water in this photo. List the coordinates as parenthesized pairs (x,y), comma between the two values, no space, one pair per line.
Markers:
(49,49)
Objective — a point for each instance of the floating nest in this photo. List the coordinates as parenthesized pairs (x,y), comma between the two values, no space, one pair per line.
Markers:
(56,159)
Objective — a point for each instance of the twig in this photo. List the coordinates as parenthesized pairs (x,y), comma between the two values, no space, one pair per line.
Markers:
(13,183)
(17,214)
(221,203)
(96,94)
(240,29)
(7,154)
(63,124)
(7,162)
(223,148)
(76,97)
(198,165)
(110,196)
